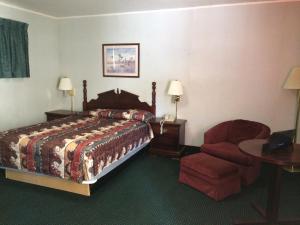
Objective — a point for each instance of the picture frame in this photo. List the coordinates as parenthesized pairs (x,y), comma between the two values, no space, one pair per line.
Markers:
(121,60)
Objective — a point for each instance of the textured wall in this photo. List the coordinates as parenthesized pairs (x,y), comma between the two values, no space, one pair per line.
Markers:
(23,101)
(232,60)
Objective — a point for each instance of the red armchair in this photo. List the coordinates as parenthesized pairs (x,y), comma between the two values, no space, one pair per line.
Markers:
(222,141)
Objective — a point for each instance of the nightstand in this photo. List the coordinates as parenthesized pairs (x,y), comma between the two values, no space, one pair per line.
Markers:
(56,114)
(171,142)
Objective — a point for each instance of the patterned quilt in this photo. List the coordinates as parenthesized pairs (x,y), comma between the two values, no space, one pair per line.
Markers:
(75,148)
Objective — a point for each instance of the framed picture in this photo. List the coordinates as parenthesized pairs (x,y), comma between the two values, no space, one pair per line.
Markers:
(121,60)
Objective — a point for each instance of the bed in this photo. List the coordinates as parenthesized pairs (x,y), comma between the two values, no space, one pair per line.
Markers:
(72,153)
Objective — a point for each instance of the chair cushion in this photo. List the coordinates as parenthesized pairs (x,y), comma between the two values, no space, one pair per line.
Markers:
(227,151)
(209,166)
(241,130)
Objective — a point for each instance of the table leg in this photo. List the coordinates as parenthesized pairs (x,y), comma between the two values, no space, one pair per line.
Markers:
(270,215)
(274,194)
(259,209)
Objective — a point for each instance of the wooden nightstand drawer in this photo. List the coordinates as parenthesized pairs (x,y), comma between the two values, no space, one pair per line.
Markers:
(53,117)
(165,141)
(170,142)
(57,114)
(169,131)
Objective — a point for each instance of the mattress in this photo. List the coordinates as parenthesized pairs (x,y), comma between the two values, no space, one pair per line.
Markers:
(75,148)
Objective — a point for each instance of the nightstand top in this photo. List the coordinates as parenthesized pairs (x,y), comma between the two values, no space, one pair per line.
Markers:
(62,112)
(175,122)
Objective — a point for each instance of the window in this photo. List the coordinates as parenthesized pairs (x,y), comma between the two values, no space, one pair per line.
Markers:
(14,61)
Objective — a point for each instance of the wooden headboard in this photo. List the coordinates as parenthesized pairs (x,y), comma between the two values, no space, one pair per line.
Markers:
(118,100)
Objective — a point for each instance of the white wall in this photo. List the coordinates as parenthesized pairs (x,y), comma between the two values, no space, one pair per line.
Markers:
(232,60)
(23,101)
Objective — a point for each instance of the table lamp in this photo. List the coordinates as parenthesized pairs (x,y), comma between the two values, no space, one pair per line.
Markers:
(176,90)
(293,83)
(65,84)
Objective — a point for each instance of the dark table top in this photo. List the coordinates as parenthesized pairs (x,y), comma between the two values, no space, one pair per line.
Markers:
(283,157)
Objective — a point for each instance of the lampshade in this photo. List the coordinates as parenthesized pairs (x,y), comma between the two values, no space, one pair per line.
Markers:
(293,80)
(65,84)
(175,88)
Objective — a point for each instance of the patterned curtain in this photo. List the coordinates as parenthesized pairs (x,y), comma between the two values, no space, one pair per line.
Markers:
(14,61)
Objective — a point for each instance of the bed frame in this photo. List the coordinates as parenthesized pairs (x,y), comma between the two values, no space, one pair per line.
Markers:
(118,100)
(109,99)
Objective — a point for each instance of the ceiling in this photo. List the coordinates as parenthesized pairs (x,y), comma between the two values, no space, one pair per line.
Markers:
(69,8)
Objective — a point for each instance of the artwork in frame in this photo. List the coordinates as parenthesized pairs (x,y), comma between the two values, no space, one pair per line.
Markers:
(121,60)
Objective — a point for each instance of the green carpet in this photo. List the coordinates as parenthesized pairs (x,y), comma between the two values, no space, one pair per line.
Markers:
(143,191)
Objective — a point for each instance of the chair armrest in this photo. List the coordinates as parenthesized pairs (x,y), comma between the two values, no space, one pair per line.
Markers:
(264,133)
(217,133)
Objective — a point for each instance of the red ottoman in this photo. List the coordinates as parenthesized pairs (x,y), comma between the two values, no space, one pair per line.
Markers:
(214,177)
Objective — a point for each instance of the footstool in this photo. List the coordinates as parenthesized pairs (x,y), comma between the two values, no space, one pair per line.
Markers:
(213,176)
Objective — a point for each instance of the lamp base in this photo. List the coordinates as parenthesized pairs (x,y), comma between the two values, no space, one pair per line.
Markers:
(72,94)
(292,169)
(176,99)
